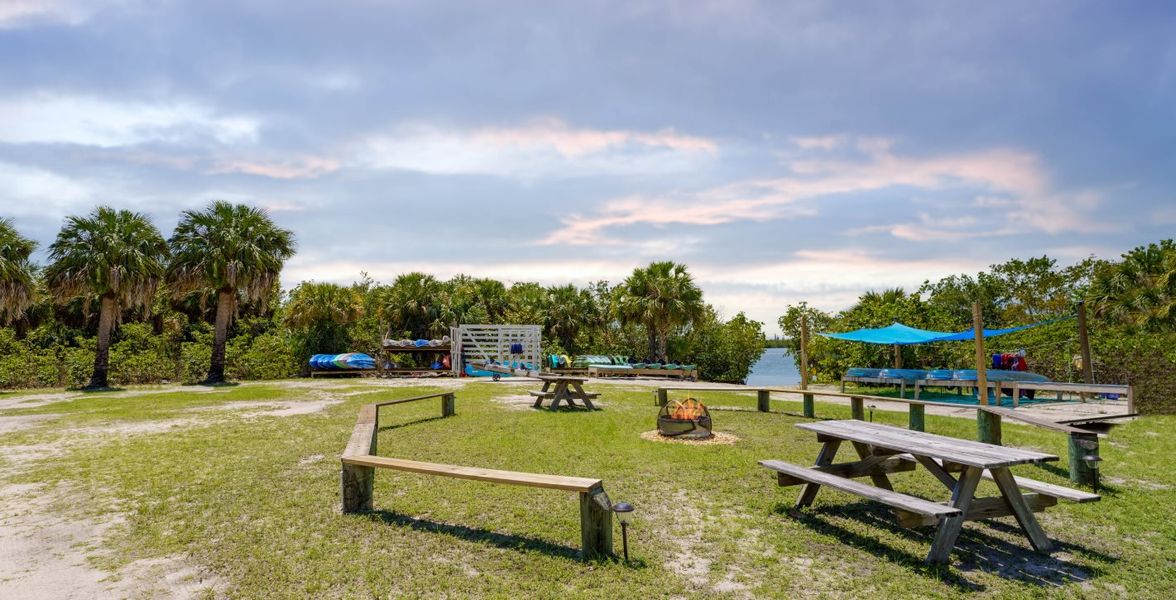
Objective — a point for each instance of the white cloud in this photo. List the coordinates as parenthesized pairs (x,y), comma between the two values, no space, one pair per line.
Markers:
(541,147)
(42,118)
(35,192)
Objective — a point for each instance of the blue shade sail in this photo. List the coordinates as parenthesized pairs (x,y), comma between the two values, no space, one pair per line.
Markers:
(897,333)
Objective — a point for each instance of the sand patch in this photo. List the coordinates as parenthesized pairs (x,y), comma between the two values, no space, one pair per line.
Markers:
(271,408)
(17,423)
(46,556)
(719,438)
(515,402)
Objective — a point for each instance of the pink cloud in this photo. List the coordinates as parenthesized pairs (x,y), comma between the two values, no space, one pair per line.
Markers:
(304,167)
(1014,174)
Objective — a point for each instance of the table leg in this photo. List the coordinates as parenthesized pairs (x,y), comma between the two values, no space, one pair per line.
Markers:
(879,479)
(582,395)
(938,471)
(824,458)
(949,527)
(1012,496)
(561,390)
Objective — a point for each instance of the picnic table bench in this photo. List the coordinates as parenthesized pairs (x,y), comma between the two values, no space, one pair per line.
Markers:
(563,388)
(883,449)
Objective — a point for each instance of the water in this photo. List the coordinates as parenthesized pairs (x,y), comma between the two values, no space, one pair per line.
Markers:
(775,367)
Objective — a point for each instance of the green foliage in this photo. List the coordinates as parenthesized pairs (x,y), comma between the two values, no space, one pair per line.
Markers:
(17,284)
(726,351)
(1140,291)
(1131,331)
(661,297)
(111,253)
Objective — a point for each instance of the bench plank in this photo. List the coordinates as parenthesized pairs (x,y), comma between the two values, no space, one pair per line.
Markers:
(888,497)
(1050,489)
(559,482)
(891,464)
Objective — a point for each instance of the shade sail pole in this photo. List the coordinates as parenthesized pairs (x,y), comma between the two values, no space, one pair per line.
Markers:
(981,366)
(1084,345)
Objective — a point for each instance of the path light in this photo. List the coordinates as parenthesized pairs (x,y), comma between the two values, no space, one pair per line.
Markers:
(624,512)
(1092,461)
(872,407)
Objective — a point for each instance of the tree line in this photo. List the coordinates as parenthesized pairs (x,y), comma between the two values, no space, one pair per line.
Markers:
(1131,303)
(117,302)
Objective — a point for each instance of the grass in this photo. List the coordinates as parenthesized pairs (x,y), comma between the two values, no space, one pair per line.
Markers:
(256,502)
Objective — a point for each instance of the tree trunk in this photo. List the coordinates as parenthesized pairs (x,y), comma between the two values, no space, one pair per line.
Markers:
(98,379)
(652,345)
(224,313)
(661,345)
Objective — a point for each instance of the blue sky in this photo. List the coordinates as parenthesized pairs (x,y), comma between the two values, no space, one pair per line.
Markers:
(786,151)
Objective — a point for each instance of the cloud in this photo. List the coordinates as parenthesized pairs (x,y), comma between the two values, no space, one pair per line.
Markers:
(30,191)
(17,13)
(541,147)
(93,121)
(300,167)
(826,142)
(1014,174)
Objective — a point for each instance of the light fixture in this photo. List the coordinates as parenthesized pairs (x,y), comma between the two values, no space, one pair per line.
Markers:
(872,407)
(1092,461)
(624,512)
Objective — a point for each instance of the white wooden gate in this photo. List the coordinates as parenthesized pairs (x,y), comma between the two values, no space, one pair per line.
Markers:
(493,343)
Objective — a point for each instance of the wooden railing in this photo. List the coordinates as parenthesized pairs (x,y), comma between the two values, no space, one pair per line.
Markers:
(1083,443)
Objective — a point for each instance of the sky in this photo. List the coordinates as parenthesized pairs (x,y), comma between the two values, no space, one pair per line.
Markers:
(785,151)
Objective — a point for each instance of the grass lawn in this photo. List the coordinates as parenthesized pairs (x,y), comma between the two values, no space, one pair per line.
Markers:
(242,483)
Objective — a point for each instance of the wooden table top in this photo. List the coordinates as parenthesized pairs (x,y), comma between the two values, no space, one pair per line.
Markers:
(547,377)
(965,452)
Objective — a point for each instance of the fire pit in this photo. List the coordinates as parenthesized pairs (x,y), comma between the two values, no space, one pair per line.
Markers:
(684,419)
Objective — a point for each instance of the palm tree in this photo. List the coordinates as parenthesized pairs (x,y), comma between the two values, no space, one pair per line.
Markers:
(321,314)
(16,272)
(1141,290)
(233,250)
(115,256)
(661,297)
(414,305)
(570,310)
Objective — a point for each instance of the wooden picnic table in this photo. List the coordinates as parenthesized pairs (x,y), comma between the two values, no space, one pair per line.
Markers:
(563,388)
(883,449)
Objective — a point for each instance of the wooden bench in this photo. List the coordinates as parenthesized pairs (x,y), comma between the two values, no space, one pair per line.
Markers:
(817,477)
(359,463)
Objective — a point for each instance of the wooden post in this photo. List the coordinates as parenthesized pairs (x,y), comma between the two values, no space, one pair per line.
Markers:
(916,417)
(448,408)
(663,397)
(981,364)
(857,409)
(763,398)
(1081,446)
(595,524)
(988,427)
(1084,348)
(897,356)
(1084,345)
(807,399)
(356,485)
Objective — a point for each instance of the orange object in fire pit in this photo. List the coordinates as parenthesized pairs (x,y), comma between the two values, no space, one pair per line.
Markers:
(685,419)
